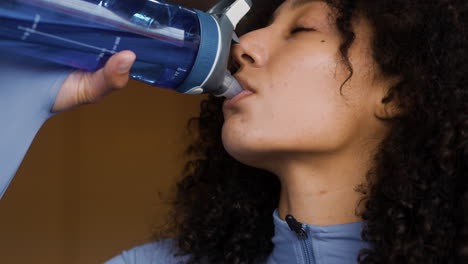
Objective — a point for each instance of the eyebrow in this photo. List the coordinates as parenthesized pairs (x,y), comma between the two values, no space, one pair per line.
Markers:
(295,4)
(299,3)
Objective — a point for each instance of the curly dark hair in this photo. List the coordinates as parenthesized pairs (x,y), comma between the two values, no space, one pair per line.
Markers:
(416,200)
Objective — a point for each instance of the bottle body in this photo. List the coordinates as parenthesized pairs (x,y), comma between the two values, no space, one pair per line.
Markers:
(84,34)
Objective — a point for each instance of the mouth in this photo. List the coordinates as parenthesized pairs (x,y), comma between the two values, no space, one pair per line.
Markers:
(247,90)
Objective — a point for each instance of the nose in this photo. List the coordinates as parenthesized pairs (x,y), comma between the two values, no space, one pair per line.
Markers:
(252,51)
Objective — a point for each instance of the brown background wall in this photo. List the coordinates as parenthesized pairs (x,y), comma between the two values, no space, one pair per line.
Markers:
(91,183)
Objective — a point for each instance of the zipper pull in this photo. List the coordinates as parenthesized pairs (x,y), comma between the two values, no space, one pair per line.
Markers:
(296,227)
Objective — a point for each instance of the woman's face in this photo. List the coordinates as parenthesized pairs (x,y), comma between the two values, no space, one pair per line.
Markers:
(295,74)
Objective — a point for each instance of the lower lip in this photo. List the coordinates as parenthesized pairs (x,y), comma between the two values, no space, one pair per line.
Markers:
(230,102)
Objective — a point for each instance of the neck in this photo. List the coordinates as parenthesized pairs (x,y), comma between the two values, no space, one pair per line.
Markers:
(322,190)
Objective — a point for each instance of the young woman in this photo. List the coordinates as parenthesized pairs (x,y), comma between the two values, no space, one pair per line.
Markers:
(351,146)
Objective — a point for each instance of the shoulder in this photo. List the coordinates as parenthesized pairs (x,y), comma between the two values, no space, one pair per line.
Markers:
(162,251)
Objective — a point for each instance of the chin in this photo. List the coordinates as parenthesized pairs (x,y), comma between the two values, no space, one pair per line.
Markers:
(245,149)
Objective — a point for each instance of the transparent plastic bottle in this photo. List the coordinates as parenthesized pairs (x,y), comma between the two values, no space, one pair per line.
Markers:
(176,47)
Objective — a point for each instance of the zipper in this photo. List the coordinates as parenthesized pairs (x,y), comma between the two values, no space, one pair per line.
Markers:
(301,231)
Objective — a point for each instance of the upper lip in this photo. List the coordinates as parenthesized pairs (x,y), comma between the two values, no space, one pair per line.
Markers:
(244,84)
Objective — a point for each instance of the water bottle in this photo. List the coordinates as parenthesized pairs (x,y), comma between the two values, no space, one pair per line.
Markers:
(179,48)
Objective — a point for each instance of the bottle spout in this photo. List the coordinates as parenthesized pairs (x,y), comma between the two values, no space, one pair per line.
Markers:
(230,86)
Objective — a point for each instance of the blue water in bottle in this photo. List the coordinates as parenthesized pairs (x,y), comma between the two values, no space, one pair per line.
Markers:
(84,34)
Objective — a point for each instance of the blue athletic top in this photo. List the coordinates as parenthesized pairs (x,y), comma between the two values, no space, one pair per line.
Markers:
(332,244)
(27,93)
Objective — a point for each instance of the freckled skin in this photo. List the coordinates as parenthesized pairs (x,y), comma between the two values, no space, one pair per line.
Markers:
(297,124)
(297,106)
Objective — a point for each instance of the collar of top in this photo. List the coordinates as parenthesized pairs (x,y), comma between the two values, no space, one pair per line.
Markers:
(295,242)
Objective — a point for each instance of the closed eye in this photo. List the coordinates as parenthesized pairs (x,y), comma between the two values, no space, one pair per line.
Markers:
(301,29)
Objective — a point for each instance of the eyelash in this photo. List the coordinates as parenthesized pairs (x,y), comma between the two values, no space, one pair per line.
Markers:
(301,29)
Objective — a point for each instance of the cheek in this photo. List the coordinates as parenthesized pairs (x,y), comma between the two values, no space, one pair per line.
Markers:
(304,101)
(298,108)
